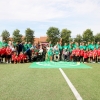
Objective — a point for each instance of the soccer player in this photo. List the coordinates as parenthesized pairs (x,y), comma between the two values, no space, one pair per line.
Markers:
(65,46)
(25,58)
(0,54)
(73,54)
(65,55)
(98,54)
(28,52)
(81,55)
(3,54)
(29,45)
(21,57)
(60,49)
(56,54)
(97,45)
(8,54)
(92,46)
(50,54)
(85,56)
(90,56)
(95,55)
(14,58)
(25,47)
(77,55)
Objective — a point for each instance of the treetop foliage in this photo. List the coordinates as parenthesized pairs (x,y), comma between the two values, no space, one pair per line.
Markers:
(54,35)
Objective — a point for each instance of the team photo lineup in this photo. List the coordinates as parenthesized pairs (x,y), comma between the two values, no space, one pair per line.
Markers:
(71,52)
(49,49)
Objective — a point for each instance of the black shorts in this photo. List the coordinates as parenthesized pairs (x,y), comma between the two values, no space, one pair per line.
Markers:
(8,56)
(3,56)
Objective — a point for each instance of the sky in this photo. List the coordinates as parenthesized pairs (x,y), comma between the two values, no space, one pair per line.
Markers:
(40,15)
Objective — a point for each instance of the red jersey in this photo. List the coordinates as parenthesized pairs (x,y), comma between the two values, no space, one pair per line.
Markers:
(90,54)
(25,57)
(81,52)
(13,57)
(77,53)
(0,51)
(73,52)
(3,51)
(95,52)
(98,52)
(8,51)
(21,56)
(85,55)
(18,58)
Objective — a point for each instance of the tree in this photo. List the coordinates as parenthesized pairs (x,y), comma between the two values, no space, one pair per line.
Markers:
(29,35)
(5,35)
(65,35)
(17,37)
(97,37)
(53,35)
(88,35)
(78,38)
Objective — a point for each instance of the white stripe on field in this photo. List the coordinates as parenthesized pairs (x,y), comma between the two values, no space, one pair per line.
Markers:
(75,92)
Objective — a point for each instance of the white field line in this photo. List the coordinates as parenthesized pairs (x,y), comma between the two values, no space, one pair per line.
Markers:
(75,92)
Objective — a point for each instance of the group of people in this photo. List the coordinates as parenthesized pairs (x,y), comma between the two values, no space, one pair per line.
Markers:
(27,52)
(75,52)
(14,52)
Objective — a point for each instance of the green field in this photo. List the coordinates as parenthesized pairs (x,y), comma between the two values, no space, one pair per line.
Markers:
(20,82)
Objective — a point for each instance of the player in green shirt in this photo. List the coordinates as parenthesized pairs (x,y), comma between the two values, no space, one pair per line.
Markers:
(56,54)
(25,47)
(75,45)
(92,46)
(50,54)
(4,43)
(65,46)
(60,49)
(81,46)
(29,45)
(97,45)
(88,46)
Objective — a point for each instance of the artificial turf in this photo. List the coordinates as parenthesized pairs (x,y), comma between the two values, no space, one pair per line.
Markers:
(19,82)
(86,81)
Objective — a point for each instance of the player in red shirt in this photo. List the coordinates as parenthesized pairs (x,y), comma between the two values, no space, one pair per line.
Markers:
(90,55)
(85,56)
(98,54)
(77,54)
(0,54)
(3,54)
(21,57)
(8,54)
(95,55)
(14,58)
(25,58)
(73,54)
(81,55)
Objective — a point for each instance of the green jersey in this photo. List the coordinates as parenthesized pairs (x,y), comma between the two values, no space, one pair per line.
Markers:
(29,45)
(97,46)
(60,47)
(92,46)
(50,52)
(25,47)
(65,47)
(56,52)
(4,44)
